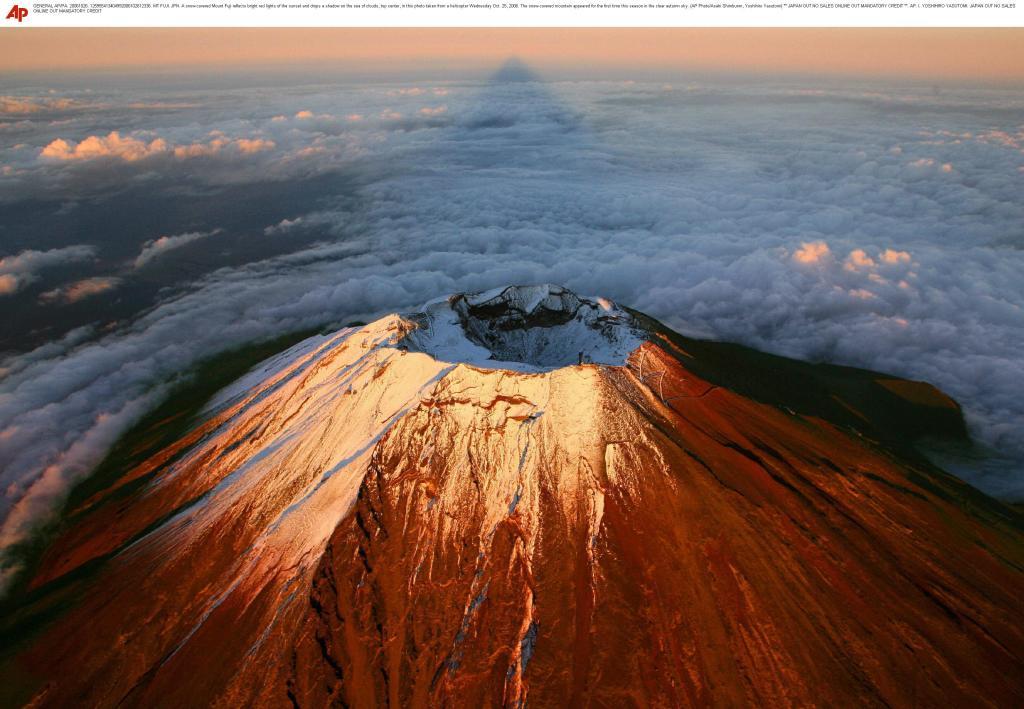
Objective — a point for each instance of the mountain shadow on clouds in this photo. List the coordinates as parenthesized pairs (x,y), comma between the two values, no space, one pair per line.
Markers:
(514,70)
(517,111)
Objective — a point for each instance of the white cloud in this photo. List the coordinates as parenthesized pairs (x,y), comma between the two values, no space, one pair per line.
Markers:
(244,146)
(812,252)
(858,260)
(34,104)
(157,247)
(79,290)
(19,270)
(892,257)
(283,226)
(131,149)
(112,145)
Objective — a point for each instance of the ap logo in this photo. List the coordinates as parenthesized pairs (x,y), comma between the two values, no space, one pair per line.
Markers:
(17,13)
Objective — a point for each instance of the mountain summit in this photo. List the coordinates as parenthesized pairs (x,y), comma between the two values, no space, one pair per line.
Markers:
(526,496)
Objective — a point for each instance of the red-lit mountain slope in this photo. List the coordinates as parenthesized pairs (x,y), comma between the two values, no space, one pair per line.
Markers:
(525,497)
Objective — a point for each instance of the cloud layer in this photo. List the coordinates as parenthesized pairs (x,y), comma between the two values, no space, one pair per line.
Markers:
(816,222)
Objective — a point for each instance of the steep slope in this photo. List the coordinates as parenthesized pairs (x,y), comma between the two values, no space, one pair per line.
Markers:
(525,496)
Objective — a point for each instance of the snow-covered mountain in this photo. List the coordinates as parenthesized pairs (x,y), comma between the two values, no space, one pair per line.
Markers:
(528,496)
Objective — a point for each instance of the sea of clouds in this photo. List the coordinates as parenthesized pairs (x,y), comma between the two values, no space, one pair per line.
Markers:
(876,226)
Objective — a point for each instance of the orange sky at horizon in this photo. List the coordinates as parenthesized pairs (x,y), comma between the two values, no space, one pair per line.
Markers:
(995,54)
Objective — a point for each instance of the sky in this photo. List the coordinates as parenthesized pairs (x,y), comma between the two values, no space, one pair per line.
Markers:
(148,223)
(940,54)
